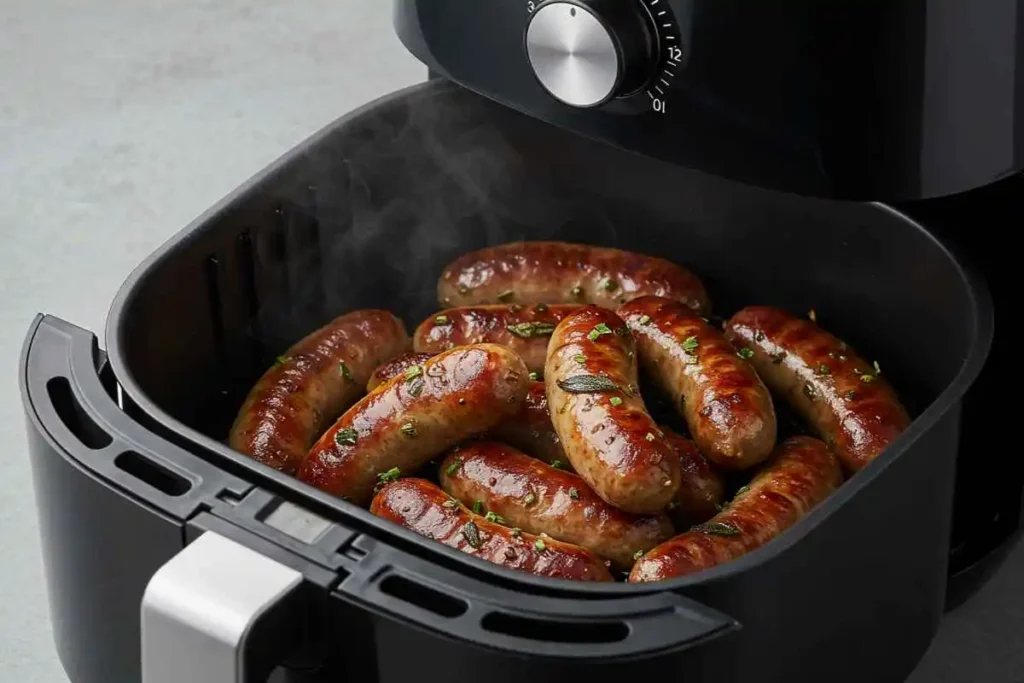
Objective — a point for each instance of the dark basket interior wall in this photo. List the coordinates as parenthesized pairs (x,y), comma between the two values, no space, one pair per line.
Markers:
(369,215)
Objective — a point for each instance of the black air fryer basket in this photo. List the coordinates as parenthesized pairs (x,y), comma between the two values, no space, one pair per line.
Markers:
(131,465)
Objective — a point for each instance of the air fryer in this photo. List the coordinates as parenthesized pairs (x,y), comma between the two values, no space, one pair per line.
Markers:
(171,556)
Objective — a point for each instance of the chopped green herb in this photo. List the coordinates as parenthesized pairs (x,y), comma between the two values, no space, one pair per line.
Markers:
(413,372)
(534,376)
(409,429)
(441,320)
(494,517)
(344,370)
(649,436)
(346,437)
(454,466)
(574,493)
(416,388)
(472,535)
(745,353)
(281,360)
(580,358)
(742,490)
(850,395)
(531,330)
(517,532)
(587,384)
(615,401)
(717,529)
(638,554)
(644,319)
(577,291)
(514,308)
(506,296)
(878,370)
(599,330)
(719,507)
(540,308)
(540,545)
(867,379)
(610,285)
(394,474)
(530,498)
(824,370)
(451,503)
(557,464)
(690,344)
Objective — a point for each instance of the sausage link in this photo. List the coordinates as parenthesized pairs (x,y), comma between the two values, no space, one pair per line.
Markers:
(525,493)
(313,383)
(560,272)
(531,431)
(395,367)
(424,508)
(600,417)
(524,329)
(802,473)
(701,491)
(842,396)
(725,404)
(413,417)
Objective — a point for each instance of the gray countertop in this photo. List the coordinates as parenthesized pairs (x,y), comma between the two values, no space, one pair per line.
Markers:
(120,121)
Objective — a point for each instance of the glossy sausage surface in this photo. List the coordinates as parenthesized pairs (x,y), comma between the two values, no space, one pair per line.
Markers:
(312,383)
(395,367)
(415,416)
(561,272)
(427,510)
(843,397)
(725,404)
(601,420)
(801,474)
(524,329)
(701,491)
(536,498)
(530,430)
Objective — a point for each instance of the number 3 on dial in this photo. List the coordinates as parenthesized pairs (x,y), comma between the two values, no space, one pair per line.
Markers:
(531,6)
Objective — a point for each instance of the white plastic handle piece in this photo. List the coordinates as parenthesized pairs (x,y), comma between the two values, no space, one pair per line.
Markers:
(200,607)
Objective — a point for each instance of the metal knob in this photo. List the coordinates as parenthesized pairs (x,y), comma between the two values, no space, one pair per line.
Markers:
(584,52)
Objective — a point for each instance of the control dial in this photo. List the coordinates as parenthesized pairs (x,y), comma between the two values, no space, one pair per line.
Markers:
(585,52)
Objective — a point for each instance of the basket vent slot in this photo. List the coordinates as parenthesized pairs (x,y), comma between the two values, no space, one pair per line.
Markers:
(74,417)
(422,596)
(555,631)
(158,477)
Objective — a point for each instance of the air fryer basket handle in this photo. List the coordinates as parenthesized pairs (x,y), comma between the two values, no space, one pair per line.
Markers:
(405,587)
(216,613)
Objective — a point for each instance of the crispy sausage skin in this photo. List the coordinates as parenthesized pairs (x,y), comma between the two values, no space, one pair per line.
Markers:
(395,367)
(702,490)
(531,431)
(536,498)
(800,475)
(424,508)
(600,417)
(561,272)
(725,404)
(524,329)
(415,416)
(841,395)
(313,383)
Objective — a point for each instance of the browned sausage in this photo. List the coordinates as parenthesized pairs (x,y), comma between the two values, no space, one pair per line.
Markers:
(413,417)
(315,380)
(725,404)
(522,492)
(395,367)
(603,423)
(559,272)
(801,474)
(424,508)
(843,397)
(524,329)
(531,431)
(702,490)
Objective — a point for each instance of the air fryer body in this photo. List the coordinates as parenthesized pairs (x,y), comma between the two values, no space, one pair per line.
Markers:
(887,101)
(130,466)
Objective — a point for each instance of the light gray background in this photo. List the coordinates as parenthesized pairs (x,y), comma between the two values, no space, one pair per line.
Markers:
(120,121)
